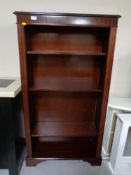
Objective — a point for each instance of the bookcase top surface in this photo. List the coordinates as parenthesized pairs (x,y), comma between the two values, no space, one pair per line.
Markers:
(66,19)
(65,14)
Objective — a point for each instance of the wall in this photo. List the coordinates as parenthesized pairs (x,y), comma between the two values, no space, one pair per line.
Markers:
(9,62)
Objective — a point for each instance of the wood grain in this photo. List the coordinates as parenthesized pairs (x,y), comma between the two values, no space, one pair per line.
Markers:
(66,62)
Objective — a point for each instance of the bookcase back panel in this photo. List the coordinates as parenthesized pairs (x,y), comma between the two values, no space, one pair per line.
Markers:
(64,107)
(66,39)
(79,148)
(64,129)
(71,73)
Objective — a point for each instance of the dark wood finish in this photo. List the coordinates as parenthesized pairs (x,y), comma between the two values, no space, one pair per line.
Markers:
(65,73)
(24,85)
(66,62)
(68,19)
(63,107)
(109,63)
(83,129)
(71,39)
(64,148)
(74,52)
(65,14)
(12,145)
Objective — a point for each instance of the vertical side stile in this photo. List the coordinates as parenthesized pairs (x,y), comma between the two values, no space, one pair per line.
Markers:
(24,81)
(110,54)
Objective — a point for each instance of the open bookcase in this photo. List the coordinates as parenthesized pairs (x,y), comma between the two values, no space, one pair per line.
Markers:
(66,62)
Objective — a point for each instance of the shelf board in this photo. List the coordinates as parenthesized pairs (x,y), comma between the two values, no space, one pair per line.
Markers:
(31,89)
(73,52)
(64,129)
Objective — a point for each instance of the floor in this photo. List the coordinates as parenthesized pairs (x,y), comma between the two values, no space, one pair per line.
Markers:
(63,167)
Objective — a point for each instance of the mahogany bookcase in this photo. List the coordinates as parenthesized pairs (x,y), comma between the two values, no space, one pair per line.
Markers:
(66,62)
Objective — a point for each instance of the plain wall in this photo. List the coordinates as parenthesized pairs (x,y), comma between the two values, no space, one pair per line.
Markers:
(9,57)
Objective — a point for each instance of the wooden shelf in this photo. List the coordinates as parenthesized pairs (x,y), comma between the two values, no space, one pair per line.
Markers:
(59,52)
(32,89)
(64,129)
